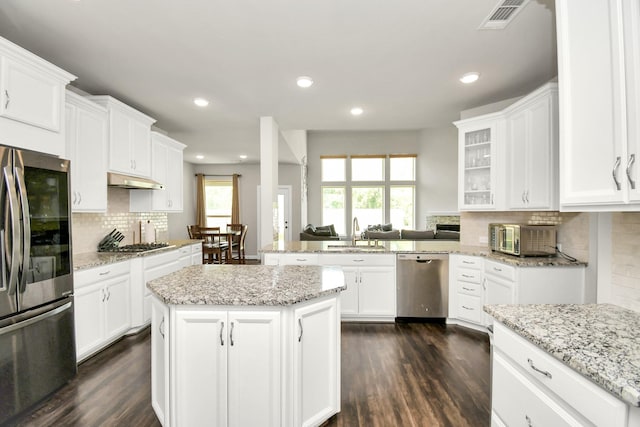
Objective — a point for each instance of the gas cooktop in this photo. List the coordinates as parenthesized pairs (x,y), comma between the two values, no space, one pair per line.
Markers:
(136,247)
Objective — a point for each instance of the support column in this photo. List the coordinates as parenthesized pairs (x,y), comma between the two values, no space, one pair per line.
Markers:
(267,216)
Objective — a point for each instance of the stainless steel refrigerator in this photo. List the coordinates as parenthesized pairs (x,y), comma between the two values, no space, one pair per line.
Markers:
(37,346)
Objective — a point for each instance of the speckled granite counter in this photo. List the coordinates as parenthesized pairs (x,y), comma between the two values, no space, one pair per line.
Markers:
(600,341)
(95,259)
(415,246)
(247,285)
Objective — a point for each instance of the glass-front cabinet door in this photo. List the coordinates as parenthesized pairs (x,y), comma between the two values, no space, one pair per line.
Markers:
(478,158)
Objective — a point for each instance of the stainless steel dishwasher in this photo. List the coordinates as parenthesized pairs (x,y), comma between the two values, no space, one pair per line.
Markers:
(422,284)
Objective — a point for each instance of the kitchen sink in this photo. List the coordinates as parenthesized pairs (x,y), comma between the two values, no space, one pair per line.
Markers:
(361,247)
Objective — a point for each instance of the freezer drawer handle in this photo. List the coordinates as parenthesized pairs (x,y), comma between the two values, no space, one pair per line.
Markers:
(35,319)
(538,370)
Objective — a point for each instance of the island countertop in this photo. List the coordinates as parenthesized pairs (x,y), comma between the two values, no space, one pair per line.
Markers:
(247,285)
(599,341)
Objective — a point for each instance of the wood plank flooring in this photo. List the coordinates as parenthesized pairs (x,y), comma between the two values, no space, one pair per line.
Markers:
(413,374)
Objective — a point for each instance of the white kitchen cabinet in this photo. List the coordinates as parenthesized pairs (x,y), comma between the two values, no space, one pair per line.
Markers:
(166,168)
(316,367)
(160,340)
(480,162)
(371,285)
(196,254)
(218,380)
(598,109)
(101,307)
(185,257)
(86,138)
(32,94)
(548,392)
(129,138)
(532,150)
(466,294)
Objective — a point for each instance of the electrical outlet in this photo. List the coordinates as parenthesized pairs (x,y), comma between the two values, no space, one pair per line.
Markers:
(559,246)
(483,239)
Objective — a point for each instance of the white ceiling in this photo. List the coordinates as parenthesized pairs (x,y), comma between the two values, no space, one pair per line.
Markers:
(399,60)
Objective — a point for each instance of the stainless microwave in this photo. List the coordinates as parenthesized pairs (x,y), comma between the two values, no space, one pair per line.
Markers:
(523,239)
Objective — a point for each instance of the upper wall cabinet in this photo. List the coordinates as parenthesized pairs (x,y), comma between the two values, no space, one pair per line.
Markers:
(86,135)
(166,168)
(598,71)
(480,145)
(508,159)
(129,138)
(32,94)
(532,151)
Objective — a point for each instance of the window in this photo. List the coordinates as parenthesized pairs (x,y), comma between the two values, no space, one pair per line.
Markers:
(219,196)
(377,189)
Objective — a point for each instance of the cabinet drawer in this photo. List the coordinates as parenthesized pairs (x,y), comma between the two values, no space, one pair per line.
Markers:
(467,275)
(299,259)
(469,262)
(534,407)
(472,289)
(160,259)
(104,272)
(184,251)
(469,308)
(501,270)
(597,405)
(358,260)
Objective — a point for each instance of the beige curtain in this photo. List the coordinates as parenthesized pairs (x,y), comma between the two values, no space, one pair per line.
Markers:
(235,204)
(201,201)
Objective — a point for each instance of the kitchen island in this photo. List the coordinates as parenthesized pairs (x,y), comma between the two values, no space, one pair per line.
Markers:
(246,345)
(566,364)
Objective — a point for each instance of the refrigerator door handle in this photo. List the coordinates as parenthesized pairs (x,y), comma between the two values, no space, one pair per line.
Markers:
(15,229)
(26,227)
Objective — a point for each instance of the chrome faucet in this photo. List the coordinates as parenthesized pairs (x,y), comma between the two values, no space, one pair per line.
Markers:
(354,228)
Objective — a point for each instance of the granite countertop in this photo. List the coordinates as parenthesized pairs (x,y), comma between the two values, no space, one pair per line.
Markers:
(95,259)
(600,341)
(247,285)
(415,246)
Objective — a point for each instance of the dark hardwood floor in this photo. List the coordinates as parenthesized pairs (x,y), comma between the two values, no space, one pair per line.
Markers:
(405,374)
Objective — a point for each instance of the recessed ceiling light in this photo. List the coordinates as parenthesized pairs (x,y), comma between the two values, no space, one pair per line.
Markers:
(243,156)
(201,102)
(304,81)
(470,77)
(199,156)
(356,111)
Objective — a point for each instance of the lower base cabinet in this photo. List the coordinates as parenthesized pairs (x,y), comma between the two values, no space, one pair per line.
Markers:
(236,366)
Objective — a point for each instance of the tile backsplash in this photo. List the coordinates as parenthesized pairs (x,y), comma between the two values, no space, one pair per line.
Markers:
(89,228)
(573,228)
(625,259)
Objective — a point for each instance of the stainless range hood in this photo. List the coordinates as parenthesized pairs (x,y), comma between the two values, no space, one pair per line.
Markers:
(132,182)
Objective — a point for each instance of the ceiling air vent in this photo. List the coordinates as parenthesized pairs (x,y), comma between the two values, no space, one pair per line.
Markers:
(502,14)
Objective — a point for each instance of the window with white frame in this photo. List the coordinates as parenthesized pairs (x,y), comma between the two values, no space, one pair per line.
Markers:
(376,189)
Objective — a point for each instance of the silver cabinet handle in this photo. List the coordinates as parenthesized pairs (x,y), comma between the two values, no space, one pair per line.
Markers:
(528,419)
(526,196)
(301,259)
(538,370)
(74,198)
(464,261)
(6,103)
(467,276)
(104,273)
(79,197)
(614,173)
(497,269)
(104,295)
(523,197)
(160,328)
(231,334)
(632,159)
(467,289)
(358,260)
(135,165)
(221,332)
(108,294)
(301,330)
(484,283)
(491,198)
(467,308)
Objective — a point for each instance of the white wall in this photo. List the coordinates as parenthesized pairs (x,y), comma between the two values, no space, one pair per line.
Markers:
(436,164)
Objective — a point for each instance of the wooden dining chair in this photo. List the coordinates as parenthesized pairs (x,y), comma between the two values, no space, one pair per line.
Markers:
(237,248)
(192,231)
(213,246)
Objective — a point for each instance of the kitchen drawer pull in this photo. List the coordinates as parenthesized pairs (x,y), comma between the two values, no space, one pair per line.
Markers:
(221,332)
(160,328)
(632,159)
(358,260)
(484,283)
(231,334)
(468,308)
(467,289)
(6,103)
(538,370)
(497,269)
(301,330)
(104,295)
(467,276)
(104,273)
(614,173)
(526,417)
(301,259)
(464,261)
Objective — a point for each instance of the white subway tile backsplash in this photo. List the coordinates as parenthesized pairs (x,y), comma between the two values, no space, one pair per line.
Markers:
(625,259)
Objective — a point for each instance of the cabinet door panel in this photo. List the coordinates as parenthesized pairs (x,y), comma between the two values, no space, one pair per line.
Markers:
(377,291)
(539,157)
(141,148)
(90,161)
(175,177)
(160,361)
(119,136)
(117,307)
(349,297)
(200,366)
(30,97)
(254,382)
(160,199)
(89,318)
(517,146)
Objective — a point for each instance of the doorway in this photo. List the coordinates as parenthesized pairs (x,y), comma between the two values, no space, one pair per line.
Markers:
(282,213)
